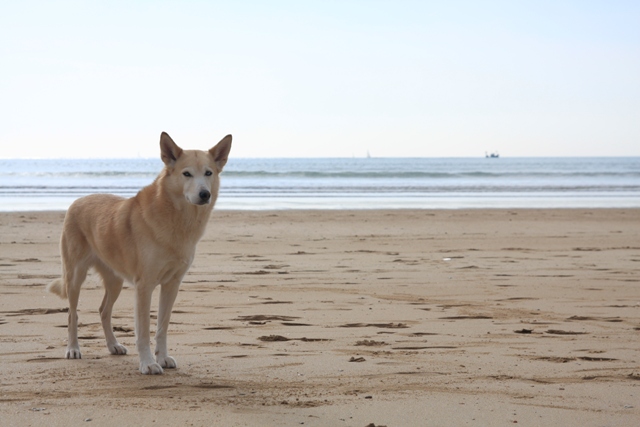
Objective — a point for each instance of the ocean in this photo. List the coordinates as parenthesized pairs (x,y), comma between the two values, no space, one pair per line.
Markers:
(345,183)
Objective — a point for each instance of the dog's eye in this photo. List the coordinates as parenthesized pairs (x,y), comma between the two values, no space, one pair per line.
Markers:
(208,173)
(187,174)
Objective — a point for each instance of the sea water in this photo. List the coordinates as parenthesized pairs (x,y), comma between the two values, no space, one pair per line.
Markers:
(345,183)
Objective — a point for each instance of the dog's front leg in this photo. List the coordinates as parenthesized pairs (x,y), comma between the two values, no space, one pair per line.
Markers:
(142,314)
(168,293)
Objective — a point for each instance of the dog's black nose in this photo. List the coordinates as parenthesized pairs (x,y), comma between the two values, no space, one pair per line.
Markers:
(205,195)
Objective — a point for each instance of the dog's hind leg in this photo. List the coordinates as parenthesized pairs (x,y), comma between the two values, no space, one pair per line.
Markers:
(74,277)
(76,260)
(112,287)
(168,293)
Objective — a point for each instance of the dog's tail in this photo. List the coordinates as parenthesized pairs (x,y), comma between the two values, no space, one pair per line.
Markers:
(58,287)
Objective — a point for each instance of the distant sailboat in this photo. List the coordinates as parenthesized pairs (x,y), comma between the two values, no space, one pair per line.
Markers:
(368,154)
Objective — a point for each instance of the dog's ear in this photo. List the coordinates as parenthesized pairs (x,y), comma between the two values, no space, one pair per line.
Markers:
(220,152)
(169,151)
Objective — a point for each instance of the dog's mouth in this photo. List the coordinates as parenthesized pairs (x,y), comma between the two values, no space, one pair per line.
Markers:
(199,201)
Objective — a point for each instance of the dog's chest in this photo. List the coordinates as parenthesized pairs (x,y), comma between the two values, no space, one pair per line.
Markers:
(166,265)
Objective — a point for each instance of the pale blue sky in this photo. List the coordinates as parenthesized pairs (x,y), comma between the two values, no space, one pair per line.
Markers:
(324,78)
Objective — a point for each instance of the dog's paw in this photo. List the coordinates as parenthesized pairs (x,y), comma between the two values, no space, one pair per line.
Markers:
(167,362)
(73,353)
(150,368)
(117,349)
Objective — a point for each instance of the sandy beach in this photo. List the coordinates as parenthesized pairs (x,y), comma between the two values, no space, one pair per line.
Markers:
(346,318)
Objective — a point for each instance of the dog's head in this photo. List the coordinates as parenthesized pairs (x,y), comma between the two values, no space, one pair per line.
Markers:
(194,172)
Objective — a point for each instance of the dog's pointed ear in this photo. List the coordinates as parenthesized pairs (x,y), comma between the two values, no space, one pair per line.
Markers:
(169,151)
(220,152)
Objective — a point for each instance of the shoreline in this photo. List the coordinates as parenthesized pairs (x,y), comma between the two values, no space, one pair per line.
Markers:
(347,317)
(369,209)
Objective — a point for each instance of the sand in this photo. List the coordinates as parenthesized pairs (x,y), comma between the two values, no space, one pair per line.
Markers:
(346,318)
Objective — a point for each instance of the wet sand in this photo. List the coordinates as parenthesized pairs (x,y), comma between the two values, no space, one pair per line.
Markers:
(346,318)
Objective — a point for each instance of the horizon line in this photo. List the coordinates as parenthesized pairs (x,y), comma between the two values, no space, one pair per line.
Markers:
(337,157)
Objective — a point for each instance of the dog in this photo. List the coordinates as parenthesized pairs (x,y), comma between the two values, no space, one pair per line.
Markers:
(148,240)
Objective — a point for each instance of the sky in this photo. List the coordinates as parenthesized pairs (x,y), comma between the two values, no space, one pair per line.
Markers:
(331,78)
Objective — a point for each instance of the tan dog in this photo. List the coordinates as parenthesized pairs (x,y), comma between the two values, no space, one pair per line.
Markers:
(148,240)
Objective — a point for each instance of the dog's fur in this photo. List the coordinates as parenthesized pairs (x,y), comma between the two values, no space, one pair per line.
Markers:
(148,240)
